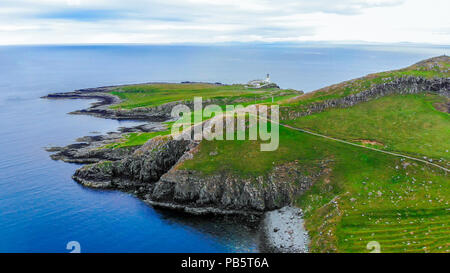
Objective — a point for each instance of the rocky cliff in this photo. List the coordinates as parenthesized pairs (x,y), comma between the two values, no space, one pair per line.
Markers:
(105,100)
(403,85)
(197,193)
(153,173)
(92,149)
(144,167)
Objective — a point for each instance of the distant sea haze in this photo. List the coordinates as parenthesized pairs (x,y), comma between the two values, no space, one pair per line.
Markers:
(42,208)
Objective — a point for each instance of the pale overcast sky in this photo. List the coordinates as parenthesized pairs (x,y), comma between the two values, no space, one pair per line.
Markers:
(218,21)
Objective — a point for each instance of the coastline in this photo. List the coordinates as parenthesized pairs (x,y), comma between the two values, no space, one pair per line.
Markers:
(105,100)
(88,150)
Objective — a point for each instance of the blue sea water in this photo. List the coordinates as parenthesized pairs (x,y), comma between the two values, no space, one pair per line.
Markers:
(42,208)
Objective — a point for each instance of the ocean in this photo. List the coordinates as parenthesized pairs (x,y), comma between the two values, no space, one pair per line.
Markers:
(42,208)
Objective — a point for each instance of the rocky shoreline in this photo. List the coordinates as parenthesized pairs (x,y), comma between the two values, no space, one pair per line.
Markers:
(102,109)
(92,149)
(283,231)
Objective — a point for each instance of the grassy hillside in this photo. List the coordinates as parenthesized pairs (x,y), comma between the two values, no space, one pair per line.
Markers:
(150,95)
(438,67)
(364,195)
(403,123)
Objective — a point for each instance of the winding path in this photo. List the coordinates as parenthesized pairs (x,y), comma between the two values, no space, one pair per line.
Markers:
(361,146)
(365,147)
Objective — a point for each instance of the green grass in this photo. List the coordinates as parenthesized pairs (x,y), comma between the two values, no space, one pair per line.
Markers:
(404,123)
(405,208)
(150,95)
(137,139)
(397,230)
(379,202)
(244,158)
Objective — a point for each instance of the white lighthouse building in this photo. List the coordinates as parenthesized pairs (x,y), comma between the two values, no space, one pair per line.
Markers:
(259,83)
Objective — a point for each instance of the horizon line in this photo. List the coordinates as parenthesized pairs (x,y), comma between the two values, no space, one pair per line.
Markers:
(349,42)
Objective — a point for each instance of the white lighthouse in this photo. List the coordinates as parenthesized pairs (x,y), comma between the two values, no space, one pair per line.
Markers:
(259,83)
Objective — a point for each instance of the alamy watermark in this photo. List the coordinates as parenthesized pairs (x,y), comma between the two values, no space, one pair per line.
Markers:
(374,246)
(74,247)
(253,122)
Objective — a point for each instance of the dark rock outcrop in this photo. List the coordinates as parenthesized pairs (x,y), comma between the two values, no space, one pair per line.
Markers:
(92,149)
(144,167)
(403,85)
(85,153)
(105,100)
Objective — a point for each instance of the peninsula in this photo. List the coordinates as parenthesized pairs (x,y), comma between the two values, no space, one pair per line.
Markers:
(360,161)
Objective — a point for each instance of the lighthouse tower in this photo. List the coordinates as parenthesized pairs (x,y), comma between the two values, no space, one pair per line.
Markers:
(267,78)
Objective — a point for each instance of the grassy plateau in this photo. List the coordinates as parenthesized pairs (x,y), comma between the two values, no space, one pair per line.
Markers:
(150,95)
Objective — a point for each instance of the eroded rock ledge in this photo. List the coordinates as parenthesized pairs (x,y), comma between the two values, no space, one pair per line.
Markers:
(106,99)
(403,85)
(138,171)
(92,149)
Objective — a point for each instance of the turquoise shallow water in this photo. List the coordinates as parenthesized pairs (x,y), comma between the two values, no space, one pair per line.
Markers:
(42,208)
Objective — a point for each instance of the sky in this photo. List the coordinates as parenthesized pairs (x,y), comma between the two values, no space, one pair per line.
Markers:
(223,21)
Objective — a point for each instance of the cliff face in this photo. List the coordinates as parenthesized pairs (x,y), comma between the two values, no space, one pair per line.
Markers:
(152,172)
(404,85)
(194,191)
(145,166)
(85,153)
